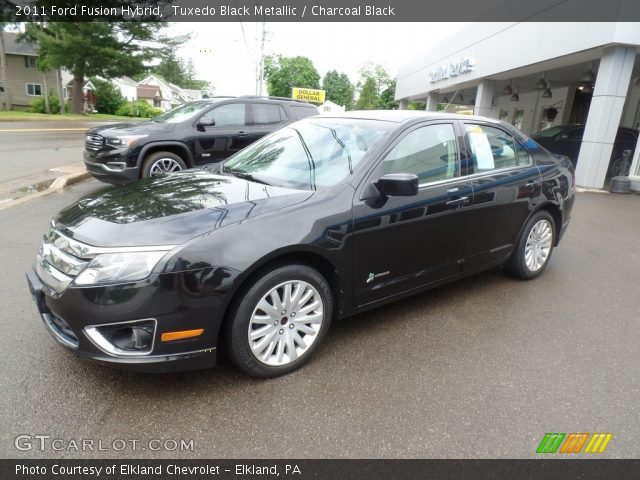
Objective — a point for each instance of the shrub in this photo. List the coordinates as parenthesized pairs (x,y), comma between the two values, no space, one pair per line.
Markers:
(38,106)
(108,97)
(139,108)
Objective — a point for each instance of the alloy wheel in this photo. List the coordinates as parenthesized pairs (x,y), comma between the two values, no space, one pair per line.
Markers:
(285,323)
(164,165)
(538,245)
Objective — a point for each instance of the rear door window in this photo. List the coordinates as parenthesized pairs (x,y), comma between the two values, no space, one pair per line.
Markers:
(268,114)
(494,149)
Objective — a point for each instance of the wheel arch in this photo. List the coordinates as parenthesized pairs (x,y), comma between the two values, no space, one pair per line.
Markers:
(177,148)
(288,256)
(554,211)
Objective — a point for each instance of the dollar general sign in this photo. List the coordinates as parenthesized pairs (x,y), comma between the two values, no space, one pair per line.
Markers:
(308,94)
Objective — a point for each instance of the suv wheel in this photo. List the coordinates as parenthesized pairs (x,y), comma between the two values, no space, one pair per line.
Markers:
(162,162)
(532,254)
(279,321)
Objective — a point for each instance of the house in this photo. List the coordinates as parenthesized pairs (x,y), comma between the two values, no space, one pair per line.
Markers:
(24,81)
(150,94)
(127,86)
(171,95)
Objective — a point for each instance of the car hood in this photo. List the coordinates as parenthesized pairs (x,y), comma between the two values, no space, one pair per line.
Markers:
(171,209)
(137,128)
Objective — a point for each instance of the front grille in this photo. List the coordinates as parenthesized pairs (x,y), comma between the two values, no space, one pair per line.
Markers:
(93,142)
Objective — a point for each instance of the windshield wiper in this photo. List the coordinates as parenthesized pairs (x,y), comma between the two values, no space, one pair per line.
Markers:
(246,176)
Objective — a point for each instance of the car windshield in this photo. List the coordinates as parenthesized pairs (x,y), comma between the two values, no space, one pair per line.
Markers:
(310,154)
(550,132)
(183,112)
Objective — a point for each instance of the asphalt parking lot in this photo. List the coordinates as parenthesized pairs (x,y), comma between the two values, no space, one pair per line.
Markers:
(482,368)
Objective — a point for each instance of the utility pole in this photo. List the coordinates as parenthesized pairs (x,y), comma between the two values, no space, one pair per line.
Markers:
(260,65)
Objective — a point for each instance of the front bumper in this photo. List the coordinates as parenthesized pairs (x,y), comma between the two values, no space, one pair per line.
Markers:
(112,166)
(67,315)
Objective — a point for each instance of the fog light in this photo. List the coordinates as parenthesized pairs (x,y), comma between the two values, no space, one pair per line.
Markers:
(128,338)
(132,338)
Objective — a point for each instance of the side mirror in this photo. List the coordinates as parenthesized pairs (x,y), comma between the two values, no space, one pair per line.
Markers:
(205,123)
(398,184)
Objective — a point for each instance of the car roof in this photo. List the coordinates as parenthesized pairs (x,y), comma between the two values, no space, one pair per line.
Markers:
(401,116)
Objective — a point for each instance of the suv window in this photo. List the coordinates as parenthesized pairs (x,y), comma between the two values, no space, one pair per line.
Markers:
(493,149)
(303,111)
(229,115)
(265,114)
(430,152)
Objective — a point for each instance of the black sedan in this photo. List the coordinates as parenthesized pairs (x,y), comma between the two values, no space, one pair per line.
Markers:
(323,219)
(567,139)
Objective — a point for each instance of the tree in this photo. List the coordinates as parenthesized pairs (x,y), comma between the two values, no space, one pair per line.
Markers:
(338,88)
(368,99)
(376,87)
(6,96)
(284,73)
(387,97)
(172,69)
(379,74)
(97,48)
(108,97)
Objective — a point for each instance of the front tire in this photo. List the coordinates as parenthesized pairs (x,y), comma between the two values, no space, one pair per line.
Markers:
(160,163)
(534,249)
(279,320)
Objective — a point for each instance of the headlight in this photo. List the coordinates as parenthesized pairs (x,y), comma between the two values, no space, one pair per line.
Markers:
(126,140)
(119,268)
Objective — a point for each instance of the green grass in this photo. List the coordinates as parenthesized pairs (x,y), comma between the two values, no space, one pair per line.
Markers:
(22,116)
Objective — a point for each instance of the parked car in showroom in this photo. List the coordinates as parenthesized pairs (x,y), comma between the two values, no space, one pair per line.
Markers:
(323,219)
(567,139)
(187,136)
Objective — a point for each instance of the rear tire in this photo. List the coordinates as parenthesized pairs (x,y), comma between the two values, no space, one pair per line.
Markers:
(159,163)
(534,249)
(278,321)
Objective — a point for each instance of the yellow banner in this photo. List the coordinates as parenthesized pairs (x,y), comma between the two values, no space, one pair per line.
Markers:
(308,94)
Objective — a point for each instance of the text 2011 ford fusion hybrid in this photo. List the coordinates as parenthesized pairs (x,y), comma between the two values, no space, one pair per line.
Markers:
(322,219)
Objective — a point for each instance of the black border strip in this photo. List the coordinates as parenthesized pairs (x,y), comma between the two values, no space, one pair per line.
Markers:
(547,469)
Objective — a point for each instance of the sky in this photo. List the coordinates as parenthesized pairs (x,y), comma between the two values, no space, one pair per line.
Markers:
(225,57)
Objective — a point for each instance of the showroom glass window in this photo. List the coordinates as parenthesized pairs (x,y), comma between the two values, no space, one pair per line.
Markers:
(494,149)
(429,152)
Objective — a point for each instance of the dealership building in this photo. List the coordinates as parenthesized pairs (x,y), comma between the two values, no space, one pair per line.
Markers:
(537,75)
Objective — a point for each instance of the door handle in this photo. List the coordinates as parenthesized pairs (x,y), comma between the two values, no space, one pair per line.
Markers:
(458,201)
(530,184)
(243,134)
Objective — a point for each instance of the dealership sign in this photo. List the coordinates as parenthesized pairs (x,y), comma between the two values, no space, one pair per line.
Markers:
(308,94)
(453,69)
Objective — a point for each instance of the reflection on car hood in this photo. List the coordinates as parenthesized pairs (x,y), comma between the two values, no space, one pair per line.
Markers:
(171,209)
(137,128)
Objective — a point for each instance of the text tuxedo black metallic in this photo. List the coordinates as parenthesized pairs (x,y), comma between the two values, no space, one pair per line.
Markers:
(324,218)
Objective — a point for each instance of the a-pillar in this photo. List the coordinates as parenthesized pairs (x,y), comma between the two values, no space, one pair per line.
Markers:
(609,96)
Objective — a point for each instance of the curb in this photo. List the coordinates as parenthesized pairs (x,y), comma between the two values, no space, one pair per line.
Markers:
(57,185)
